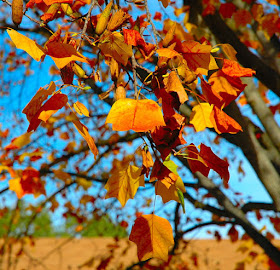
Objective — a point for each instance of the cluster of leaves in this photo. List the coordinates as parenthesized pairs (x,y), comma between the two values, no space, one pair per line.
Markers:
(188,71)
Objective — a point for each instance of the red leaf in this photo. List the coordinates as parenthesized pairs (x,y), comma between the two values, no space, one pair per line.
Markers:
(214,162)
(227,9)
(132,37)
(223,123)
(195,162)
(55,103)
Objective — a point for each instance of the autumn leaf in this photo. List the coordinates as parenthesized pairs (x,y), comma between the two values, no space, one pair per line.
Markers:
(223,123)
(138,115)
(196,163)
(123,184)
(171,193)
(214,162)
(28,182)
(173,84)
(28,45)
(228,87)
(50,2)
(81,109)
(36,102)
(113,45)
(165,3)
(62,53)
(19,142)
(153,236)
(55,103)
(117,20)
(200,116)
(233,69)
(169,53)
(198,56)
(83,130)
(131,37)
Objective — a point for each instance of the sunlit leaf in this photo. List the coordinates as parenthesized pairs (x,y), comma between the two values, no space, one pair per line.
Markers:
(223,123)
(138,115)
(153,237)
(82,129)
(113,45)
(81,109)
(124,184)
(26,44)
(63,53)
(200,116)
(19,141)
(173,84)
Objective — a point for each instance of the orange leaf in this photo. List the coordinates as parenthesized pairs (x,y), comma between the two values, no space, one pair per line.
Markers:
(19,142)
(123,184)
(200,116)
(50,2)
(131,37)
(197,56)
(26,44)
(113,45)
(117,20)
(173,84)
(138,115)
(81,109)
(55,103)
(62,54)
(153,236)
(36,102)
(223,123)
(169,53)
(233,69)
(82,129)
(228,87)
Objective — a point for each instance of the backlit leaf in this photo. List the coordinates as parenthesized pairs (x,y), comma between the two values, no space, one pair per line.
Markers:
(138,115)
(26,44)
(173,84)
(82,129)
(200,116)
(123,184)
(28,182)
(81,109)
(233,69)
(165,3)
(62,54)
(223,123)
(153,236)
(19,141)
(113,45)
(55,103)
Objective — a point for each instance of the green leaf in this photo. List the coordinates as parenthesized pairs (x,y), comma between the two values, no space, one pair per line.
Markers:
(181,199)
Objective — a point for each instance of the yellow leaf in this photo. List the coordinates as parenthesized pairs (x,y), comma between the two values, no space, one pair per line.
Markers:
(138,115)
(113,45)
(14,185)
(19,142)
(84,132)
(65,177)
(123,184)
(169,53)
(81,109)
(200,116)
(153,236)
(84,183)
(26,44)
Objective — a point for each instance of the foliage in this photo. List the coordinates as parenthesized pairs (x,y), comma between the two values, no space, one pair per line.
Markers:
(126,82)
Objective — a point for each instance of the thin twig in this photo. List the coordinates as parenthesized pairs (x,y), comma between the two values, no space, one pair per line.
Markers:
(133,62)
(86,23)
